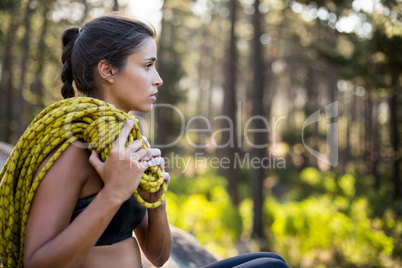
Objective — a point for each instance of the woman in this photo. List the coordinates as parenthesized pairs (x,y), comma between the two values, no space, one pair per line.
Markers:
(113,59)
(83,212)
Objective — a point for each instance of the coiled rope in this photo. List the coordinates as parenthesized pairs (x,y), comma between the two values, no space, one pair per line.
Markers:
(83,121)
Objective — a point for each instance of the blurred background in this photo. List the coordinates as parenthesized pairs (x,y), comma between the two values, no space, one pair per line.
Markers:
(246,73)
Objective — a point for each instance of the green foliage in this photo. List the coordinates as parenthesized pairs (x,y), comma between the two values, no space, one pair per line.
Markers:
(316,231)
(347,184)
(7,4)
(333,225)
(310,176)
(202,207)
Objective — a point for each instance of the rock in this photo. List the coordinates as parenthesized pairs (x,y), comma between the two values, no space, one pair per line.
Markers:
(187,252)
(5,151)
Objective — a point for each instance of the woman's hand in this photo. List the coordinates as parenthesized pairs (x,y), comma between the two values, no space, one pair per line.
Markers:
(153,234)
(122,171)
(156,160)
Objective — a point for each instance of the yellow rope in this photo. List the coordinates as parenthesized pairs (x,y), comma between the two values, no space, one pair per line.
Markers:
(85,121)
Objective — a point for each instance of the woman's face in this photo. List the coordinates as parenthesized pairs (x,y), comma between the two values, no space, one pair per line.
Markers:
(135,86)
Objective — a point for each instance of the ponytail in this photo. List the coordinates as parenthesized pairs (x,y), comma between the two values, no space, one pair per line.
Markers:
(68,38)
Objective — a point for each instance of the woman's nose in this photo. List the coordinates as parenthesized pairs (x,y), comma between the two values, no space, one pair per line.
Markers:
(158,82)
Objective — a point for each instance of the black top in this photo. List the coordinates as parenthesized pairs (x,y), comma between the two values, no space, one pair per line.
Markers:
(126,219)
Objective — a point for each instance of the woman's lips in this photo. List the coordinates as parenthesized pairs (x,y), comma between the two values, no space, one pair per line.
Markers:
(153,96)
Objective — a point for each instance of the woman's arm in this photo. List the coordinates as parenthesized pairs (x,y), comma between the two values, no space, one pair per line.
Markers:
(50,240)
(154,236)
(153,233)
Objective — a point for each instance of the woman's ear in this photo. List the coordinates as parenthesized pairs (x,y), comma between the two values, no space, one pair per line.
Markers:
(106,71)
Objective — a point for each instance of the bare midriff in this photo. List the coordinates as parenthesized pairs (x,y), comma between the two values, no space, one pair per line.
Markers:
(124,254)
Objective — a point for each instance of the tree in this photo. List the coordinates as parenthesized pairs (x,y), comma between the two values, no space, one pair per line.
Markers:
(25,45)
(115,5)
(390,46)
(227,142)
(170,68)
(7,74)
(260,137)
(37,87)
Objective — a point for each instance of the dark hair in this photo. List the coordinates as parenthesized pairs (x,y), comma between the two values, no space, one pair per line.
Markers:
(112,38)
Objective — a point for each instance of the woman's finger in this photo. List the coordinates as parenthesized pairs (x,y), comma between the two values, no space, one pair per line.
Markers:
(157,161)
(135,145)
(96,162)
(145,140)
(138,155)
(123,135)
(166,177)
(154,153)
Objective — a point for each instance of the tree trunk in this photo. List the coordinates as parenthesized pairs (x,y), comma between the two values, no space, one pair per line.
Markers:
(371,141)
(371,154)
(375,153)
(203,92)
(229,110)
(312,106)
(346,113)
(20,107)
(168,66)
(115,5)
(368,123)
(169,118)
(6,79)
(85,12)
(37,85)
(333,77)
(260,138)
(395,139)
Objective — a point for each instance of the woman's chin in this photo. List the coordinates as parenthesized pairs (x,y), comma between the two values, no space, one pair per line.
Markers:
(143,110)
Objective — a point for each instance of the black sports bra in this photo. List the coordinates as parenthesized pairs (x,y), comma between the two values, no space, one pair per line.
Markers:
(126,219)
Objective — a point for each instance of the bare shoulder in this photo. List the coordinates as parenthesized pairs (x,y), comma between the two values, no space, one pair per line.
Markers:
(75,160)
(66,178)
(56,196)
(72,165)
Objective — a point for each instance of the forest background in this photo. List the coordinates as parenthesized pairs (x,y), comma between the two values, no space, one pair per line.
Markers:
(279,120)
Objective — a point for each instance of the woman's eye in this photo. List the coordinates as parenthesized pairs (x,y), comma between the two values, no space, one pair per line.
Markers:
(148,66)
